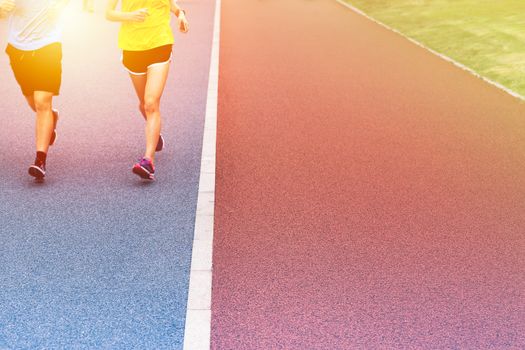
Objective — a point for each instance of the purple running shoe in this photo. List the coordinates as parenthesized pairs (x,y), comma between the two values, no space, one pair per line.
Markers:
(145,169)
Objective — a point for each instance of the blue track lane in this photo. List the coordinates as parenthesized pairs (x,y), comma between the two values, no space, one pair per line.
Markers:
(94,258)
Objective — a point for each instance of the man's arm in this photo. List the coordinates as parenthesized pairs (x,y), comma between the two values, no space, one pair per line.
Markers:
(6,7)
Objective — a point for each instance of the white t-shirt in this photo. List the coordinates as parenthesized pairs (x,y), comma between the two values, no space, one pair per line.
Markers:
(29,27)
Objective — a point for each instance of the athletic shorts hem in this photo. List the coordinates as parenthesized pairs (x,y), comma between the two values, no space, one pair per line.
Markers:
(146,72)
(138,62)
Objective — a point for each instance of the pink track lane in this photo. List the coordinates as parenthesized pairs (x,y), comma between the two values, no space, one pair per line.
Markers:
(369,194)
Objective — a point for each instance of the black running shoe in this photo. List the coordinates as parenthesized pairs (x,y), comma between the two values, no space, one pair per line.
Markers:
(38,171)
(145,169)
(54,134)
(160,144)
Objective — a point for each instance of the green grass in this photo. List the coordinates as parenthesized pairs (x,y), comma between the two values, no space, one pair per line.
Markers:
(487,36)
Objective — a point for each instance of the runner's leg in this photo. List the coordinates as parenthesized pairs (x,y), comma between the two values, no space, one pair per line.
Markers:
(31,102)
(156,81)
(139,83)
(44,119)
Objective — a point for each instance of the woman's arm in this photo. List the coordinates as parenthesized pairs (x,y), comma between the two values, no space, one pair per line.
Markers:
(181,15)
(119,16)
(175,9)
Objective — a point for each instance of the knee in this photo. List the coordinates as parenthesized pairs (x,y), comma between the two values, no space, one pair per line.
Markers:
(42,105)
(151,105)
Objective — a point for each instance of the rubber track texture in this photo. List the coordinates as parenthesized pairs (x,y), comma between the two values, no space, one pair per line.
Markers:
(94,257)
(369,194)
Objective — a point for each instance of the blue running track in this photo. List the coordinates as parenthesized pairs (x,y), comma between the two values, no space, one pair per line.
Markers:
(94,258)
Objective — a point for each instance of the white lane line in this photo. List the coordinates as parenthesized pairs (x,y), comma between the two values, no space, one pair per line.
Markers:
(197,332)
(446,58)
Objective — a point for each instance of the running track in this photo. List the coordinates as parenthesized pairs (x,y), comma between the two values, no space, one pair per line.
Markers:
(94,258)
(369,195)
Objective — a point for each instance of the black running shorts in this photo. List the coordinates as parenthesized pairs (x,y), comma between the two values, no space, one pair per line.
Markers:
(138,62)
(38,70)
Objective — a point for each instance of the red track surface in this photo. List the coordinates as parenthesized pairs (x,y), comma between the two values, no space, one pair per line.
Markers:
(369,194)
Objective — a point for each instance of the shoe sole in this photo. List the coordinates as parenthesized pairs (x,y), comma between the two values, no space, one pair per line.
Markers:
(36,172)
(143,173)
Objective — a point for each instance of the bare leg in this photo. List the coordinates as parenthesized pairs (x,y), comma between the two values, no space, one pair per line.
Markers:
(139,83)
(31,102)
(44,119)
(157,76)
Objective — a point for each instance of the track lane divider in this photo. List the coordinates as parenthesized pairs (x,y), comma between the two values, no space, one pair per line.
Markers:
(198,313)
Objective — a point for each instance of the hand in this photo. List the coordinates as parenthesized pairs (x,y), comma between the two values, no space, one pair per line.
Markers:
(183,22)
(138,16)
(7,6)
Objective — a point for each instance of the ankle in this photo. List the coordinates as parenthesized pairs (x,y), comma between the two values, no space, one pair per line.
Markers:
(40,158)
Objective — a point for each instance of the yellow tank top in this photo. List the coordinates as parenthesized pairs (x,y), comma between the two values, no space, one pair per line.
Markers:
(155,31)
